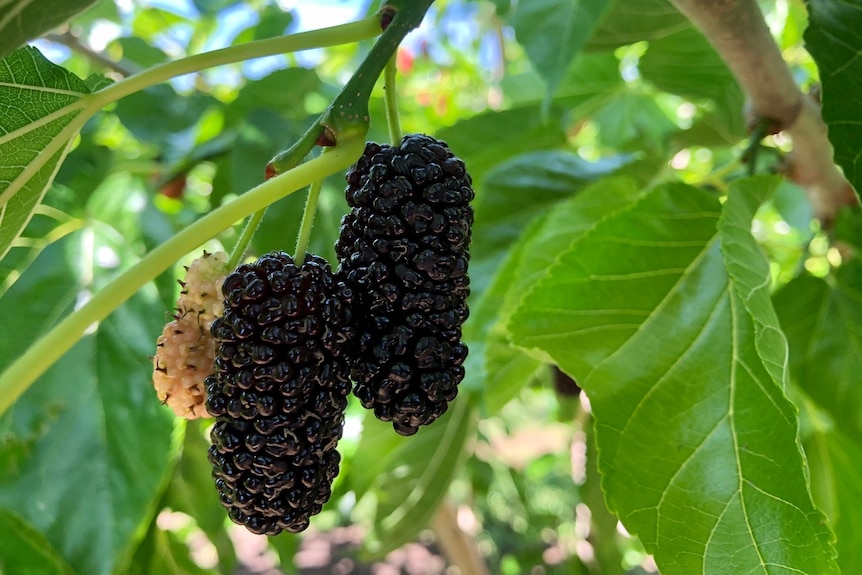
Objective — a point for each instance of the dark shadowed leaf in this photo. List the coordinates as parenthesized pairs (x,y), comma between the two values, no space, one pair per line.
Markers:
(24,551)
(823,323)
(23,20)
(835,43)
(175,114)
(662,315)
(91,420)
(407,477)
(632,21)
(836,481)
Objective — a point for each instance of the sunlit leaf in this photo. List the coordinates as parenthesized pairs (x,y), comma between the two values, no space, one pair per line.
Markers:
(42,107)
(662,315)
(834,41)
(706,76)
(507,368)
(22,20)
(521,188)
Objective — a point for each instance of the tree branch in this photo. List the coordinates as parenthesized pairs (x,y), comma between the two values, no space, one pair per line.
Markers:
(71,41)
(738,32)
(459,547)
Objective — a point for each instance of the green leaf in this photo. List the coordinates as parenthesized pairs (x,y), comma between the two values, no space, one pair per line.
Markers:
(706,76)
(46,108)
(554,31)
(213,6)
(848,226)
(273,22)
(590,81)
(86,449)
(163,553)
(836,480)
(407,477)
(823,323)
(192,491)
(521,188)
(141,52)
(51,282)
(22,20)
(23,551)
(509,369)
(633,121)
(174,114)
(631,21)
(486,139)
(665,322)
(834,42)
(283,91)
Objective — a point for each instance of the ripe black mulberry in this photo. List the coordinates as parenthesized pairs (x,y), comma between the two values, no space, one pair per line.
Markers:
(279,391)
(404,247)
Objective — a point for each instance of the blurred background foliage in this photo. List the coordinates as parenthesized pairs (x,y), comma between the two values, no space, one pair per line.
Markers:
(513,461)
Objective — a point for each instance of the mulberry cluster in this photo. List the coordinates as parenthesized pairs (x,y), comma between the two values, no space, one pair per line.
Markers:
(279,390)
(185,351)
(404,247)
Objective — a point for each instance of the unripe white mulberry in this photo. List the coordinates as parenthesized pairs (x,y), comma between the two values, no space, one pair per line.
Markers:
(185,352)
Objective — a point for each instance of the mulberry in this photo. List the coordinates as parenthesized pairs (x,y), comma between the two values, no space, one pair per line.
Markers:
(279,391)
(185,351)
(201,293)
(404,247)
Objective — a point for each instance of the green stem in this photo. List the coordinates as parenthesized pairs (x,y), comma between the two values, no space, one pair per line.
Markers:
(44,352)
(390,101)
(332,36)
(307,220)
(348,114)
(244,238)
(92,103)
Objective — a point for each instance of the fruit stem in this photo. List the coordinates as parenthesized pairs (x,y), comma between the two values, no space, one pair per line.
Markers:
(245,238)
(44,352)
(307,219)
(332,36)
(347,116)
(290,158)
(390,101)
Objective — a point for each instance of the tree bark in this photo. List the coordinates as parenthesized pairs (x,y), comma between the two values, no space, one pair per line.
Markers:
(738,32)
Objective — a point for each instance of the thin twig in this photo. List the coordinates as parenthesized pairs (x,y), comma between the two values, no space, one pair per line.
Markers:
(74,43)
(738,32)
